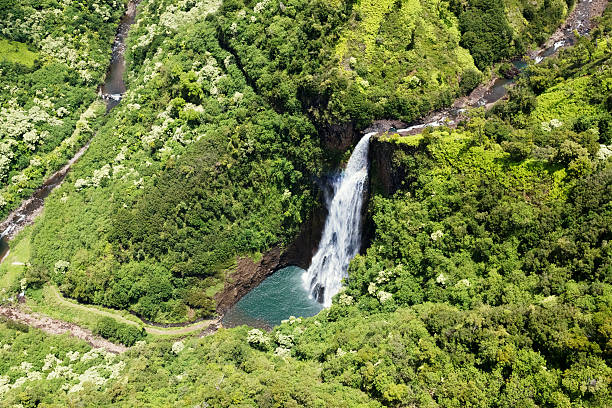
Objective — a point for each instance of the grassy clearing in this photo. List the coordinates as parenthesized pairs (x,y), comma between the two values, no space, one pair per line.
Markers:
(13,51)
(411,140)
(13,266)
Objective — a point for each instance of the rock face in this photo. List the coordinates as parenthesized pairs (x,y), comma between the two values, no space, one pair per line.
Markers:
(385,176)
(250,273)
(339,137)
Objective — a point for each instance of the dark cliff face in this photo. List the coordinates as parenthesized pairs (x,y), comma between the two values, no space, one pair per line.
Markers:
(387,176)
(339,137)
(249,273)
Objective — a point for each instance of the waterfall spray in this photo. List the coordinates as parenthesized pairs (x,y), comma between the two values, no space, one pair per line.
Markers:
(342,232)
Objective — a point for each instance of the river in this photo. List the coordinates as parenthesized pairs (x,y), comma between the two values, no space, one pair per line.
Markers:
(111,91)
(281,295)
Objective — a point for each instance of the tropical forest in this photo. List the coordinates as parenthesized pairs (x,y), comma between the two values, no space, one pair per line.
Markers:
(306,203)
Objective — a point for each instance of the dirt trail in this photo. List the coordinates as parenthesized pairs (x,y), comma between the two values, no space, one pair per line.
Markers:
(149,329)
(53,326)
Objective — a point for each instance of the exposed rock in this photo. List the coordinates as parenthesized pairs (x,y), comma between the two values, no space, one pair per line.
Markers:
(249,274)
(385,177)
(385,125)
(339,137)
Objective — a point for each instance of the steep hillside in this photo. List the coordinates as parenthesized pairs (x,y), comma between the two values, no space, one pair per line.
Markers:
(52,57)
(233,111)
(487,281)
(191,169)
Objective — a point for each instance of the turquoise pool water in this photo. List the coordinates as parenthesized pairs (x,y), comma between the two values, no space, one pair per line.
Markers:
(275,299)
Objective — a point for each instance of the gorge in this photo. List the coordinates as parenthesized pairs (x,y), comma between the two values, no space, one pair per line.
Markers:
(297,203)
(341,234)
(110,92)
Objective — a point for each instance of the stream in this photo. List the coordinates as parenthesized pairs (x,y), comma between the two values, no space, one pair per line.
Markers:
(111,91)
(485,95)
(114,88)
(284,294)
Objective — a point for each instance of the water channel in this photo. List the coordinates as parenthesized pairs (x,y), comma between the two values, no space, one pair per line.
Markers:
(111,91)
(283,294)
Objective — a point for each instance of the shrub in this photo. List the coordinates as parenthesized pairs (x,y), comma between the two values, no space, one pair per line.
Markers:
(518,150)
(469,80)
(13,325)
(569,151)
(111,330)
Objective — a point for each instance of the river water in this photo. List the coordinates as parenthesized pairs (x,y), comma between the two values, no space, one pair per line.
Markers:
(278,297)
(114,87)
(111,91)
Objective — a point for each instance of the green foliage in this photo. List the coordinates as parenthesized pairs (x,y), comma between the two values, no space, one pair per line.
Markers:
(192,169)
(485,31)
(37,369)
(14,325)
(54,57)
(112,330)
(470,79)
(487,279)
(16,52)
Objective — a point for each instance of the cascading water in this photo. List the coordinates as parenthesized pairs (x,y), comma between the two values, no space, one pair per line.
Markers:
(342,232)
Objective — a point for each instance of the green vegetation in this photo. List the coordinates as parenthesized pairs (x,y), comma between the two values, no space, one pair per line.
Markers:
(192,169)
(16,52)
(37,369)
(122,333)
(493,30)
(214,151)
(487,281)
(53,57)
(47,301)
(13,266)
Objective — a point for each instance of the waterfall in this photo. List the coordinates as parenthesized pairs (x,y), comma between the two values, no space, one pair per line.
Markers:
(341,237)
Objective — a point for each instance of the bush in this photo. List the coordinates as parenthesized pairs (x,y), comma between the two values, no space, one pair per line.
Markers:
(518,150)
(111,330)
(569,151)
(36,276)
(13,325)
(469,80)
(507,70)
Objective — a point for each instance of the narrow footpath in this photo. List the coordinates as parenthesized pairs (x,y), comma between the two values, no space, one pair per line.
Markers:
(53,326)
